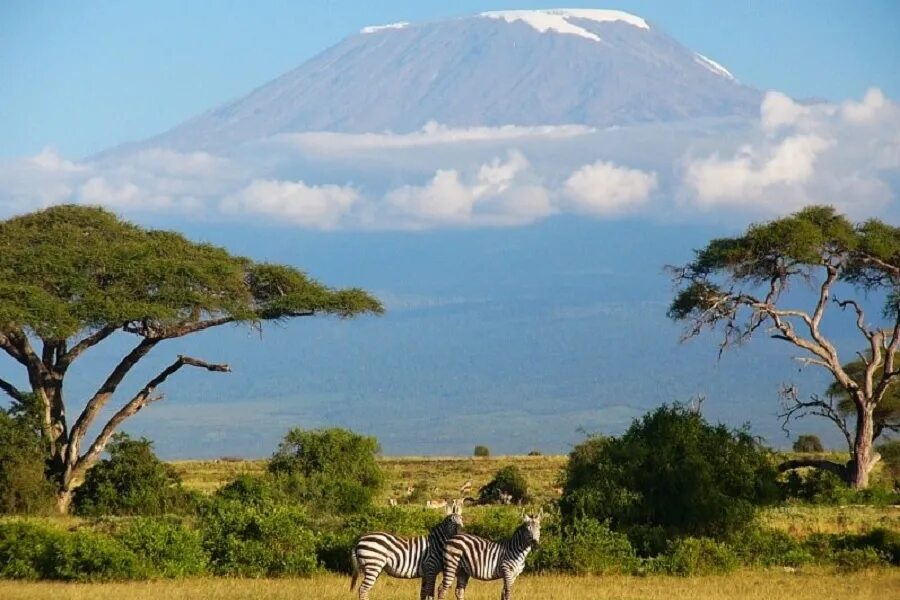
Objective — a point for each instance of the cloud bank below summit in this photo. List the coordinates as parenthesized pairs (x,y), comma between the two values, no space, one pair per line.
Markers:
(847,154)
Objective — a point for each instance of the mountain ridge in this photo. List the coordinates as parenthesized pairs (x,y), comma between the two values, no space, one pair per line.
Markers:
(553,67)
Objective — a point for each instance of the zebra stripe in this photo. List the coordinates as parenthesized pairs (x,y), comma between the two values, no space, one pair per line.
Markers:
(468,555)
(404,557)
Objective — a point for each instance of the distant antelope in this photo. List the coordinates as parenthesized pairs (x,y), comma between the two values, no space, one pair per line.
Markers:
(468,556)
(392,502)
(466,487)
(436,504)
(405,557)
(505,498)
(410,489)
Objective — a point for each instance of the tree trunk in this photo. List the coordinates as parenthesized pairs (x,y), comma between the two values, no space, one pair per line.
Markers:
(864,456)
(63,501)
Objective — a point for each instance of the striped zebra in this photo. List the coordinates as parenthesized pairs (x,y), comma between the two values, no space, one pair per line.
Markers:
(468,556)
(405,557)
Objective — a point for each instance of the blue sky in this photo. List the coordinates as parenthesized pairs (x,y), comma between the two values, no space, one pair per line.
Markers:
(83,76)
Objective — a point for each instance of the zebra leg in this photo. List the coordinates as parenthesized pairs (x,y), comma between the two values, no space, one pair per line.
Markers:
(446,582)
(428,581)
(370,572)
(506,594)
(461,582)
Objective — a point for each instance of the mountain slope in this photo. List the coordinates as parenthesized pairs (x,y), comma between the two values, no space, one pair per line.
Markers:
(598,68)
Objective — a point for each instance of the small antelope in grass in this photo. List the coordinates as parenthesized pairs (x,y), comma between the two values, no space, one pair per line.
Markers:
(468,556)
(405,557)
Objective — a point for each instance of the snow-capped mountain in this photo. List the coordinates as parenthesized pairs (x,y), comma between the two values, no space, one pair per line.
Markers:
(564,66)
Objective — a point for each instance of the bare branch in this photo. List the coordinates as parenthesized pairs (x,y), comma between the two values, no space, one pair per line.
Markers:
(816,463)
(14,392)
(794,408)
(139,401)
(92,340)
(104,393)
(860,316)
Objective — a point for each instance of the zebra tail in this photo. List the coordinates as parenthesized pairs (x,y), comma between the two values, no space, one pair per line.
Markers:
(354,569)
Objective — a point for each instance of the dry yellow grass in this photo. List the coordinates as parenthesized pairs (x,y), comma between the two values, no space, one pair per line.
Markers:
(801,521)
(881,584)
(442,476)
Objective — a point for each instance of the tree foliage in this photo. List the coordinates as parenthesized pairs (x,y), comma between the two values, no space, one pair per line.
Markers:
(738,285)
(507,480)
(72,276)
(23,487)
(671,470)
(808,443)
(333,468)
(132,481)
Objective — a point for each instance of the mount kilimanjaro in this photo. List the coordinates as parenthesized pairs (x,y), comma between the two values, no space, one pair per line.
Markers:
(598,68)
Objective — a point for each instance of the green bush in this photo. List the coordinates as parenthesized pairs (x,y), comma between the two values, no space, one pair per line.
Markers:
(584,546)
(168,547)
(481,451)
(23,487)
(509,480)
(24,550)
(885,542)
(764,547)
(332,469)
(535,453)
(890,456)
(699,556)
(824,487)
(808,443)
(253,541)
(494,523)
(857,559)
(673,470)
(85,556)
(132,481)
(254,490)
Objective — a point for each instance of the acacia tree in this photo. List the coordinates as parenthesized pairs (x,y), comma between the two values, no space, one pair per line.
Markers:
(738,286)
(72,276)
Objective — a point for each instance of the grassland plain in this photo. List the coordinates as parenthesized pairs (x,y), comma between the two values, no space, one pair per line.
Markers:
(444,476)
(814,584)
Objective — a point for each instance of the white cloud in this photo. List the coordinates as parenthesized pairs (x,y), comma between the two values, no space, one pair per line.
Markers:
(779,110)
(823,153)
(497,195)
(605,189)
(293,202)
(432,134)
(873,106)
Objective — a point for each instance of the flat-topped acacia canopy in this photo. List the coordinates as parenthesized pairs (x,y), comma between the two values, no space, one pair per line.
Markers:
(71,276)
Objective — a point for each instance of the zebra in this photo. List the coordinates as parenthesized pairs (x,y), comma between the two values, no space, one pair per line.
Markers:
(405,557)
(468,555)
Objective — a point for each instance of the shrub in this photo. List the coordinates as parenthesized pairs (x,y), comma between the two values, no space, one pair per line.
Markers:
(170,548)
(594,549)
(253,541)
(481,451)
(24,550)
(495,523)
(857,559)
(254,490)
(699,556)
(673,470)
(508,480)
(23,487)
(333,469)
(535,453)
(132,481)
(85,556)
(885,542)
(808,443)
(890,456)
(763,547)
(823,487)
